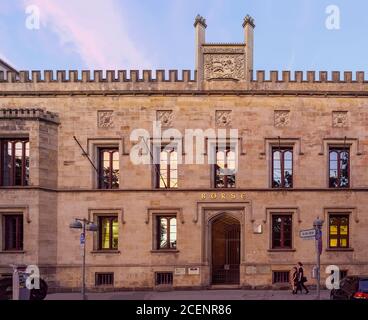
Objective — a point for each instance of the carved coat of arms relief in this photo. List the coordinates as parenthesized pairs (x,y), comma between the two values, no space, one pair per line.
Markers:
(224,66)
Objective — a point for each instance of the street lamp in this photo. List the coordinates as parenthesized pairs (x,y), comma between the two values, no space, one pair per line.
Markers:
(85,225)
(317,224)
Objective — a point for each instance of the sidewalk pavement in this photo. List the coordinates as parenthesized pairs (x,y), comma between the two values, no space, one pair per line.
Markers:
(194,295)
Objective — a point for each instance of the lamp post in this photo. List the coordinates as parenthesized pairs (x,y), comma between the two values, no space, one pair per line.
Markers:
(317,224)
(85,225)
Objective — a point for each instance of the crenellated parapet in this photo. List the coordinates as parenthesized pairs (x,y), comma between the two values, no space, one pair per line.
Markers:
(310,77)
(111,76)
(182,82)
(50,76)
(28,114)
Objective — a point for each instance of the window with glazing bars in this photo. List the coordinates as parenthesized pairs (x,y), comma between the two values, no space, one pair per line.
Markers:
(108,175)
(167,168)
(281,231)
(13,232)
(282,167)
(339,168)
(339,231)
(166,232)
(225,167)
(108,233)
(14,162)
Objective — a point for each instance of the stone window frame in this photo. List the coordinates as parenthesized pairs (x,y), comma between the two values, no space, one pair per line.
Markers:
(93,215)
(32,148)
(14,210)
(211,145)
(155,144)
(339,148)
(352,212)
(294,143)
(354,144)
(152,214)
(283,149)
(295,218)
(93,146)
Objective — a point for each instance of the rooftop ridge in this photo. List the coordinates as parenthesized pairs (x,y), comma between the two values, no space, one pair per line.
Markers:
(186,76)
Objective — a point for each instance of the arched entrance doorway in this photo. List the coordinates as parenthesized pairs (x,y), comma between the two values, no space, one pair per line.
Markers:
(225,250)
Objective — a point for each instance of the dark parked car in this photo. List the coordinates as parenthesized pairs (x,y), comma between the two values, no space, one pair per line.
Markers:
(351,287)
(6,289)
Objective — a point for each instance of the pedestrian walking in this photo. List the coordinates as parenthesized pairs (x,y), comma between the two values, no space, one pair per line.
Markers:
(294,280)
(302,279)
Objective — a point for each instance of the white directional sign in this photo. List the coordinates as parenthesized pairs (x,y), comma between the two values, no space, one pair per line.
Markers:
(309,234)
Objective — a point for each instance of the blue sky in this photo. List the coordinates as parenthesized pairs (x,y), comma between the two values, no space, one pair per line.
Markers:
(147,34)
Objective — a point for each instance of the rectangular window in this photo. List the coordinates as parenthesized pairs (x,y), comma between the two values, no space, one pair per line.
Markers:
(13,232)
(108,175)
(163,278)
(339,168)
(14,162)
(281,231)
(167,169)
(108,232)
(104,279)
(282,167)
(280,276)
(339,231)
(166,232)
(225,167)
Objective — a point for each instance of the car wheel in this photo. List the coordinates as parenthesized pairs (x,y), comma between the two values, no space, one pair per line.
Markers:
(41,293)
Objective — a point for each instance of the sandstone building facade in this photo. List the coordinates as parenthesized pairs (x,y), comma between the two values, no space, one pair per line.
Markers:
(302,152)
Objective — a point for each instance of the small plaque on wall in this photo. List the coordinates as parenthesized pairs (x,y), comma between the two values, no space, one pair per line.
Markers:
(257,228)
(193,271)
(179,271)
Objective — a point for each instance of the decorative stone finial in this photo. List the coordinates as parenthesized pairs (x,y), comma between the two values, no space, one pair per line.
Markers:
(201,20)
(250,20)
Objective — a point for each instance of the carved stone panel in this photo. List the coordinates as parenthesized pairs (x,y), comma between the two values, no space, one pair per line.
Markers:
(223,118)
(282,118)
(340,119)
(224,66)
(165,117)
(105,119)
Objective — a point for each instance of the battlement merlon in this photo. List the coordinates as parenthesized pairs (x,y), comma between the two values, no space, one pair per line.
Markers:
(86,82)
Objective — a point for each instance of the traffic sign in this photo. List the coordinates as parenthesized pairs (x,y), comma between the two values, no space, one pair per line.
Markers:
(82,238)
(309,234)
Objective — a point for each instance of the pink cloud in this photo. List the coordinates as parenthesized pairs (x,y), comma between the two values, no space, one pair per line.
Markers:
(95,30)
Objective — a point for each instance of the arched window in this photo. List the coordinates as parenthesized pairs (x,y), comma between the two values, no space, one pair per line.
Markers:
(108,168)
(282,167)
(14,162)
(167,171)
(339,168)
(225,167)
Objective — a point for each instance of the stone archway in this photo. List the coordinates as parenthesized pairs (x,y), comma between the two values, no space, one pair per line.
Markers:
(225,250)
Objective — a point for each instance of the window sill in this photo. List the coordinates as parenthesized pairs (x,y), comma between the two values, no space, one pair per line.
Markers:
(105,252)
(281,250)
(12,252)
(339,249)
(165,251)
